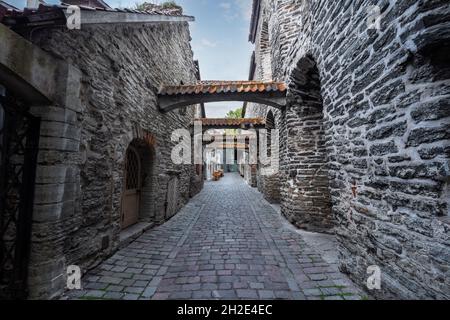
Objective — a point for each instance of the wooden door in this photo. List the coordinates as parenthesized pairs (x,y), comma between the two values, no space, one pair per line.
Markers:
(172,198)
(132,192)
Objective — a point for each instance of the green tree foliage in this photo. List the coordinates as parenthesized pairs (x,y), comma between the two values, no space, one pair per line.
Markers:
(165,5)
(170,5)
(235,114)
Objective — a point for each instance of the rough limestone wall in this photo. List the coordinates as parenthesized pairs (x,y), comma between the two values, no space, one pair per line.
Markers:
(305,188)
(268,184)
(250,175)
(32,74)
(123,67)
(386,116)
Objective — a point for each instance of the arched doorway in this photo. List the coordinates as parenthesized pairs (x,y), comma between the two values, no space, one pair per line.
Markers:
(132,188)
(268,177)
(19,146)
(306,199)
(140,183)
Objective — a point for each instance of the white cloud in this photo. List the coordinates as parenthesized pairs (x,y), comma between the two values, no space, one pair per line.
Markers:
(231,16)
(229,12)
(225,5)
(207,43)
(245,8)
(238,9)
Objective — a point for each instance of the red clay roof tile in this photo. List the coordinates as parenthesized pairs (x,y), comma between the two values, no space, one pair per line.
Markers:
(232,122)
(223,87)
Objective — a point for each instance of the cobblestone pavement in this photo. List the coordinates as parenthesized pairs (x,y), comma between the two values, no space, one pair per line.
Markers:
(227,243)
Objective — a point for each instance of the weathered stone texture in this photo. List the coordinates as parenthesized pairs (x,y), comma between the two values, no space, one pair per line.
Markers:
(269,186)
(122,68)
(250,175)
(382,137)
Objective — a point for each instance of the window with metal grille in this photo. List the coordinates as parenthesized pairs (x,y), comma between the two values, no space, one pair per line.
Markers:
(132,169)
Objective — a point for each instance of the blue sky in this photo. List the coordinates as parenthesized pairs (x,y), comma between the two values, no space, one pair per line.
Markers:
(219,40)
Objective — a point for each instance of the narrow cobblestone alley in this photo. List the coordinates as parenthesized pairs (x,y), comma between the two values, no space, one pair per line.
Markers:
(227,243)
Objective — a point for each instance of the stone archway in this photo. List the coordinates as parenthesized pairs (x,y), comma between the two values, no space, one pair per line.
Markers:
(268,178)
(138,202)
(306,199)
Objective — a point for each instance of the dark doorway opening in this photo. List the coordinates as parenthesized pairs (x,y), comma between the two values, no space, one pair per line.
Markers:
(19,143)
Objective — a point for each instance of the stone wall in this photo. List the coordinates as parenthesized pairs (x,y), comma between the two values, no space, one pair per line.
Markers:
(380,133)
(122,68)
(268,177)
(269,186)
(250,175)
(51,88)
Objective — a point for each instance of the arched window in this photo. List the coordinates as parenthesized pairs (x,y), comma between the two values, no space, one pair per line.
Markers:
(265,53)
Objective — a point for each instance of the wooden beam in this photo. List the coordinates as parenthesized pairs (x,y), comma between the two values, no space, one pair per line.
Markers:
(169,103)
(210,127)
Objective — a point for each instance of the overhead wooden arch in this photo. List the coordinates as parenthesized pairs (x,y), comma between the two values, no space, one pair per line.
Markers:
(222,124)
(269,93)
